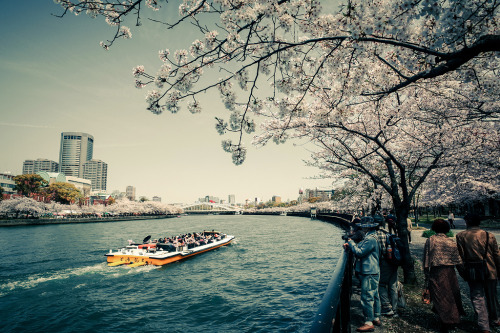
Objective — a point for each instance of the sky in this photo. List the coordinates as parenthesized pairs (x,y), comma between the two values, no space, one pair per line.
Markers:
(54,77)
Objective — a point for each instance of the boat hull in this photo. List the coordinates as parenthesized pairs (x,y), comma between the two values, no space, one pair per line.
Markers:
(139,257)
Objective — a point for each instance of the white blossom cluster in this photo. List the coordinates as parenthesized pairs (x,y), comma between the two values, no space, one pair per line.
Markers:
(22,206)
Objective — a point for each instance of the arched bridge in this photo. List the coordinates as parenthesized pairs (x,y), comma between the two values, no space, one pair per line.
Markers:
(210,207)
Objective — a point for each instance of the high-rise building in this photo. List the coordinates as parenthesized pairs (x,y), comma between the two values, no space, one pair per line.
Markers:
(130,193)
(76,149)
(40,164)
(97,172)
(276,199)
(231,199)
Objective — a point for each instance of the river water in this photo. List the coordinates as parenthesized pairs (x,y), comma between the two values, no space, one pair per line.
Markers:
(272,277)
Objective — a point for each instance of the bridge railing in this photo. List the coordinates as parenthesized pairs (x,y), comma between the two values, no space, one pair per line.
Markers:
(334,311)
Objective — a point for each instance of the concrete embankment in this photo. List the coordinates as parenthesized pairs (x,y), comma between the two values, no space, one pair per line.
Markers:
(24,222)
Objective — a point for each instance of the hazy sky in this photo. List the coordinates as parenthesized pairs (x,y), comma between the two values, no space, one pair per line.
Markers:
(56,78)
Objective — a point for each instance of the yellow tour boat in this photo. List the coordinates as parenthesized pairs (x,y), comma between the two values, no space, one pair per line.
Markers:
(160,254)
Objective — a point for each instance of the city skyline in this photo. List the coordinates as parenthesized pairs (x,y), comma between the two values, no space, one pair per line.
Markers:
(71,84)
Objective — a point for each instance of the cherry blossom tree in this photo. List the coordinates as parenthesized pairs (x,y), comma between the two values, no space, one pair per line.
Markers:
(28,206)
(289,44)
(394,143)
(22,206)
(469,184)
(389,89)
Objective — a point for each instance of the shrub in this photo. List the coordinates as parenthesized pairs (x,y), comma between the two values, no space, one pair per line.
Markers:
(429,233)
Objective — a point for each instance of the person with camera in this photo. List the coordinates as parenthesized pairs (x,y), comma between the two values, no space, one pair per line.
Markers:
(367,270)
(481,256)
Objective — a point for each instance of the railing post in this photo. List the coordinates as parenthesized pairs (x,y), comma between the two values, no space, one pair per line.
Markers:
(346,295)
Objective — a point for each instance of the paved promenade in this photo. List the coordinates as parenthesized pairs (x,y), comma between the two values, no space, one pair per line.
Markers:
(418,317)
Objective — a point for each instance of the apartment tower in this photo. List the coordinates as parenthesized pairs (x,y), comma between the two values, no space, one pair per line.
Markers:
(130,193)
(40,164)
(97,172)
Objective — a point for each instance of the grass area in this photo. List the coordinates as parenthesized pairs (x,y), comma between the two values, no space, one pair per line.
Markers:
(491,223)
(424,219)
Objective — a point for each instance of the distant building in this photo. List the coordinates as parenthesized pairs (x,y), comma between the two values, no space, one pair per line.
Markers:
(76,149)
(157,199)
(276,199)
(99,198)
(118,195)
(40,164)
(84,185)
(7,183)
(97,172)
(130,193)
(209,198)
(321,195)
(231,199)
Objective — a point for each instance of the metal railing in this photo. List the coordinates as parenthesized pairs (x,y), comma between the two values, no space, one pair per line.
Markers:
(334,312)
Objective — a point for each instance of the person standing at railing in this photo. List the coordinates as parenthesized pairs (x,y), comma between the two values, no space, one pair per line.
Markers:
(367,270)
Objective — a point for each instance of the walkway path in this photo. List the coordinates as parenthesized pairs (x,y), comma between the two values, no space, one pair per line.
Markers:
(418,317)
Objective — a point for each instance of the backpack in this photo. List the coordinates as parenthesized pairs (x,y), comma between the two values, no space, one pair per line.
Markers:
(396,255)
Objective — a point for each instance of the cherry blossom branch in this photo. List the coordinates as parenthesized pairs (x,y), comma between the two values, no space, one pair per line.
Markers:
(452,61)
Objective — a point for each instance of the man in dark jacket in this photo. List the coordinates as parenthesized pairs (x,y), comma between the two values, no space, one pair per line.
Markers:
(391,223)
(473,244)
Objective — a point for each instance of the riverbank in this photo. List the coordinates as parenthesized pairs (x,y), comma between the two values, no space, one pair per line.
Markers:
(31,222)
(418,317)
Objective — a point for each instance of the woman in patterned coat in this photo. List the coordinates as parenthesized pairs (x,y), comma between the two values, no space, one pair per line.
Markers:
(440,258)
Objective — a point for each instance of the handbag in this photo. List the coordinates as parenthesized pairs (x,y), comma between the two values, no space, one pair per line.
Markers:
(477,271)
(426,297)
(401,296)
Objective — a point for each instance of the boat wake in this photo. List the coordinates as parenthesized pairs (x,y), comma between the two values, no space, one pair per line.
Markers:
(36,280)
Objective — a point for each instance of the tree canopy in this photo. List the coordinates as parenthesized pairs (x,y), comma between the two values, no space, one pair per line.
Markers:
(30,183)
(360,52)
(63,193)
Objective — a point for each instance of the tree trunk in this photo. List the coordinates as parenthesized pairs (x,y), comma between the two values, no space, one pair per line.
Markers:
(402,211)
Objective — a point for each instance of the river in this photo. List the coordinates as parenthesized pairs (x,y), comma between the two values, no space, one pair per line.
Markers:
(272,278)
